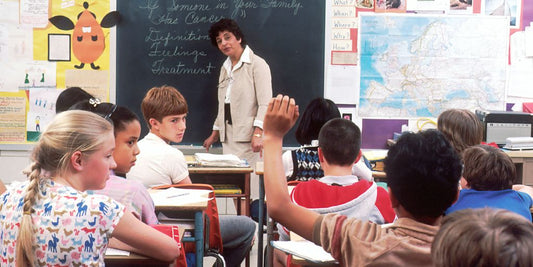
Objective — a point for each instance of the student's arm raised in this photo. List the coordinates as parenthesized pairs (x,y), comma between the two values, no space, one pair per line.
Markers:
(140,238)
(281,115)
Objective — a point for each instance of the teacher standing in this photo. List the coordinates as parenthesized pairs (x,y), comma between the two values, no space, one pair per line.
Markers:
(244,89)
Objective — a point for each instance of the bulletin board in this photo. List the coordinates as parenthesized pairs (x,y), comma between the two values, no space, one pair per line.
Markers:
(38,60)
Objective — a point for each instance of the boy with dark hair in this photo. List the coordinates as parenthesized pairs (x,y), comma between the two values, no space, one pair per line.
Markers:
(489,175)
(165,110)
(423,172)
(339,141)
(339,191)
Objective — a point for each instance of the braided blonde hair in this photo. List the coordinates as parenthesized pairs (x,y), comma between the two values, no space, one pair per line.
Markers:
(70,131)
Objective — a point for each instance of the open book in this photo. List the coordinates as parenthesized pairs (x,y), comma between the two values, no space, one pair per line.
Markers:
(305,250)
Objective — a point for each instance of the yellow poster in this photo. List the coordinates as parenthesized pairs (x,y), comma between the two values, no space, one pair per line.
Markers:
(13,107)
(75,29)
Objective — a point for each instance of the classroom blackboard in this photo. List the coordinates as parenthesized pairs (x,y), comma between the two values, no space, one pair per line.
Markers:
(166,42)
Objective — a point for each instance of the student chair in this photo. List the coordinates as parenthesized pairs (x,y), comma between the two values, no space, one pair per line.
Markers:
(212,236)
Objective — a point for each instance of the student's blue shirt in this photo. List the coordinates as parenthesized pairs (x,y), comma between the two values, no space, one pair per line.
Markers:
(508,199)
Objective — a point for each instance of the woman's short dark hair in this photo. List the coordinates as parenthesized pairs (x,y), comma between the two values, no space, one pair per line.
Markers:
(226,25)
(488,168)
(318,112)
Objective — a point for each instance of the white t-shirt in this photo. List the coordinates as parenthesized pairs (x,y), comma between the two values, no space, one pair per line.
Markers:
(158,163)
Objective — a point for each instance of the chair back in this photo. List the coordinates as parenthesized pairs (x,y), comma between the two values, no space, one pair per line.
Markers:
(173,232)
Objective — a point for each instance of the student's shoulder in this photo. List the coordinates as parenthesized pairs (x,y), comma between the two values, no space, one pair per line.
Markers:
(98,200)
(149,146)
(353,228)
(525,197)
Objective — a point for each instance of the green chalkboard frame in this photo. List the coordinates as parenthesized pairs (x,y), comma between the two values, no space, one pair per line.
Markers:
(288,34)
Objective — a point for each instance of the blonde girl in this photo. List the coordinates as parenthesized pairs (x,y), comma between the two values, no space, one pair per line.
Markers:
(50,220)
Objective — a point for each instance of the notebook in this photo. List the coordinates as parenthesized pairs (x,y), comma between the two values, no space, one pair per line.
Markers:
(305,250)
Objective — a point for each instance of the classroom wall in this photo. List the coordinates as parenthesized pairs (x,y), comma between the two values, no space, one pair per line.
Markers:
(12,161)
(342,68)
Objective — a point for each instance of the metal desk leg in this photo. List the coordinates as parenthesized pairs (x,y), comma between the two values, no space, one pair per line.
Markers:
(199,236)
(270,236)
(261,219)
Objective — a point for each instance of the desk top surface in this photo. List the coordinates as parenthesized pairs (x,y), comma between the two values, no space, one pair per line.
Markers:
(191,202)
(133,259)
(519,153)
(260,168)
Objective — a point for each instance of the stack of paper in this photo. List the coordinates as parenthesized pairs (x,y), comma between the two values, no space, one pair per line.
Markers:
(518,143)
(219,160)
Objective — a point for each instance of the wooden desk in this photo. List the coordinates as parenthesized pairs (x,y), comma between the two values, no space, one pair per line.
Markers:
(189,210)
(239,176)
(523,161)
(133,260)
(303,262)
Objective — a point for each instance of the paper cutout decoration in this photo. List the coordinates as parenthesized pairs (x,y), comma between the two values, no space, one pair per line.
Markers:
(88,42)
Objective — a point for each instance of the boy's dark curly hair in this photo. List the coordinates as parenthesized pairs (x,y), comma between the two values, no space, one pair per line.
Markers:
(423,172)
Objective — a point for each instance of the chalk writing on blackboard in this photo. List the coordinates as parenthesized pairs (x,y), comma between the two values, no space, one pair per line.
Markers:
(166,42)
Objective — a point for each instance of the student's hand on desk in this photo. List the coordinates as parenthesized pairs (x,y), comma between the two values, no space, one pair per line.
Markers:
(281,115)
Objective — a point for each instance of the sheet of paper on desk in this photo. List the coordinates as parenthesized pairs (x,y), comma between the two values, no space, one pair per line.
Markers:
(116,252)
(219,160)
(305,249)
(375,154)
(178,196)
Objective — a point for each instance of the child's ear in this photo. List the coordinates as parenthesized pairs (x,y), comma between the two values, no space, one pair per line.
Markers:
(76,161)
(153,123)
(394,202)
(320,155)
(464,183)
